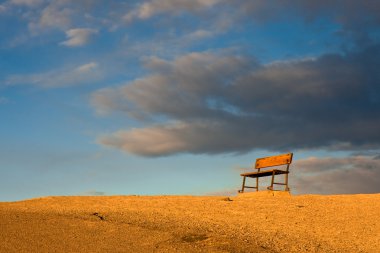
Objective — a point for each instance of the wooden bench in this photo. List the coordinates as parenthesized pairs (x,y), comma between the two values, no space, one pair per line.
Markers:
(265,162)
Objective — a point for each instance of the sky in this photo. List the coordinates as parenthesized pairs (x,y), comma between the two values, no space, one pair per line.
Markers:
(163,97)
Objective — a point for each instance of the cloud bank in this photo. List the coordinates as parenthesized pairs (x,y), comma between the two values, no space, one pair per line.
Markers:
(211,103)
(348,175)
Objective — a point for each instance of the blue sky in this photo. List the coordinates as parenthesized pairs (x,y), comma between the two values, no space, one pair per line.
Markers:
(177,97)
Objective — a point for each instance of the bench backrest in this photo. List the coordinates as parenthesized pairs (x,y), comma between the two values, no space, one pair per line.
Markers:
(274,161)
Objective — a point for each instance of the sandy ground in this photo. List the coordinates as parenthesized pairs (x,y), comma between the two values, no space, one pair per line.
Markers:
(247,223)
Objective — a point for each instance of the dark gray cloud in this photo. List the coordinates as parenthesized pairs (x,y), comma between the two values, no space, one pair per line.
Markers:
(349,13)
(357,19)
(216,103)
(348,175)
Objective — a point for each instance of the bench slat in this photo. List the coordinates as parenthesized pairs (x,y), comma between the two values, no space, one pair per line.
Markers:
(273,161)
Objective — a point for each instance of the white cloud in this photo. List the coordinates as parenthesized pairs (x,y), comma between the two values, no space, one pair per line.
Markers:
(199,34)
(87,67)
(64,77)
(78,37)
(54,15)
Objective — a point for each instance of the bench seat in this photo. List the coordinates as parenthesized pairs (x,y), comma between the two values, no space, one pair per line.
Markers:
(265,173)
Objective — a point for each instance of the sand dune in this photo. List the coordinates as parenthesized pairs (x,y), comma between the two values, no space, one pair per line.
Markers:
(248,223)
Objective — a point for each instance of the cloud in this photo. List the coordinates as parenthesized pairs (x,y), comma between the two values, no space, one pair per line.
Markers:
(64,77)
(349,11)
(347,175)
(78,37)
(199,34)
(218,103)
(108,100)
(154,7)
(2,8)
(62,14)
(56,14)
(27,2)
(176,89)
(87,67)
(150,141)
(53,16)
(355,17)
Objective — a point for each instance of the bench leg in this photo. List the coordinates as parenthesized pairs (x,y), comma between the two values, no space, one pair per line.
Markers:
(257,184)
(286,182)
(243,185)
(271,185)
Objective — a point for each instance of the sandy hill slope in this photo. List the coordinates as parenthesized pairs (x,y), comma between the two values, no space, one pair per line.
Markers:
(248,223)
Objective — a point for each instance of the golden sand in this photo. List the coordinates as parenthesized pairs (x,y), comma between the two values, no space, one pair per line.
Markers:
(251,222)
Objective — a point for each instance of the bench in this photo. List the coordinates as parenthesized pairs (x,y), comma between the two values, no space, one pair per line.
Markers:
(265,162)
